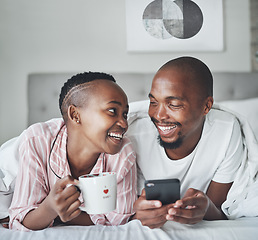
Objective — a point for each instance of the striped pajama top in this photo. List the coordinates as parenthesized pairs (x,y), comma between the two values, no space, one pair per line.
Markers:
(35,178)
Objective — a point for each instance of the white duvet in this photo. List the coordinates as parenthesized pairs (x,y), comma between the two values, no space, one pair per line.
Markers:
(240,229)
(242,201)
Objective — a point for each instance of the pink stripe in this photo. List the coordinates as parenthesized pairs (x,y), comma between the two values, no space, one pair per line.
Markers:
(37,177)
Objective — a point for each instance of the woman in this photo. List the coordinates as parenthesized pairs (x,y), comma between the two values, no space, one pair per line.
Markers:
(89,139)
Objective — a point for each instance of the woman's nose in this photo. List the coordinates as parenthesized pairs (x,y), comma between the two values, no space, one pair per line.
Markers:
(123,122)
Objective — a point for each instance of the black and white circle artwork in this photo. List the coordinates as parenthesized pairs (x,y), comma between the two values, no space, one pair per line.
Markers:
(164,19)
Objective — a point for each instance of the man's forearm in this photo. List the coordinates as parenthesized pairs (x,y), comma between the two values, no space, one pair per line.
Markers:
(214,213)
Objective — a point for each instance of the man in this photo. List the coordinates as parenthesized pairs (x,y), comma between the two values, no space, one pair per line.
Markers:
(184,138)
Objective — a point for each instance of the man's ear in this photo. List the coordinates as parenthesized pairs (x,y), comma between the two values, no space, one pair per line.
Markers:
(208,104)
(73,114)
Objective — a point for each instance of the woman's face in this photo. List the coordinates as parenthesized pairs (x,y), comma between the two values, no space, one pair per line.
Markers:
(103,117)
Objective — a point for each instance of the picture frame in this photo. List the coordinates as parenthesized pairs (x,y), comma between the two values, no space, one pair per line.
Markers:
(174,25)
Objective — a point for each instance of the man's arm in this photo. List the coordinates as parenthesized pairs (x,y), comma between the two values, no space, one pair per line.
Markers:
(217,193)
(151,213)
(196,205)
(192,208)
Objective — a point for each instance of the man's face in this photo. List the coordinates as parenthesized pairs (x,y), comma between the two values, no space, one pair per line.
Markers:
(177,109)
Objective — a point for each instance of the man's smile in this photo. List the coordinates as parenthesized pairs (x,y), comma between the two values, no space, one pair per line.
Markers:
(166,130)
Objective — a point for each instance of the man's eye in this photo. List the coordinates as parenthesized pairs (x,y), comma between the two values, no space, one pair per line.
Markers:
(174,106)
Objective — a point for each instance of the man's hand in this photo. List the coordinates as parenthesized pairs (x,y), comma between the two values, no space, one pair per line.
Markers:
(151,213)
(196,205)
(191,209)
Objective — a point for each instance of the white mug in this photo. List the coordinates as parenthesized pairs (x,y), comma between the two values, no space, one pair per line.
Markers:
(99,192)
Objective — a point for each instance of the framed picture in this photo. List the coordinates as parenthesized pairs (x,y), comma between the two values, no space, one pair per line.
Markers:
(174,25)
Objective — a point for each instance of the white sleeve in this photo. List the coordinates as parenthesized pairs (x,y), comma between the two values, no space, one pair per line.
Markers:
(235,154)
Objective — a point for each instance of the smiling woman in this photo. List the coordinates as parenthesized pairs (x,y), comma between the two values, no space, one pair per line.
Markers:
(89,139)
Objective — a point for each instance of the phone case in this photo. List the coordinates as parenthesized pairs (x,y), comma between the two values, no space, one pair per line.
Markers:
(165,190)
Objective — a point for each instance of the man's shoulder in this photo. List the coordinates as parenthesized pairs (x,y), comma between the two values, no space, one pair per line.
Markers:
(220,117)
(138,118)
(221,122)
(140,125)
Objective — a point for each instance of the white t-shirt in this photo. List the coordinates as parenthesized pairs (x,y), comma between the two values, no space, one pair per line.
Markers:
(216,157)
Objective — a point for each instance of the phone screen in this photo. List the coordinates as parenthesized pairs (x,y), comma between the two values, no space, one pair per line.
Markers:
(165,190)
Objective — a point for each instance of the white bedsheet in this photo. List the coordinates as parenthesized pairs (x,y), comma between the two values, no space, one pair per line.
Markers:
(239,229)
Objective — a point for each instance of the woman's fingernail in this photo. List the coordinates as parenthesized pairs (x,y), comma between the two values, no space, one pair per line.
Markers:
(78,189)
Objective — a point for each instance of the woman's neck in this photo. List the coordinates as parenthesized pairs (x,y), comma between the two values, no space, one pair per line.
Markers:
(81,159)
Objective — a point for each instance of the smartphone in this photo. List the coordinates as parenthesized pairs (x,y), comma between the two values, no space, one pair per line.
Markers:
(165,190)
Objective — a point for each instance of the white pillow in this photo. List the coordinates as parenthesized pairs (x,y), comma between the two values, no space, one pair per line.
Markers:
(8,171)
(247,108)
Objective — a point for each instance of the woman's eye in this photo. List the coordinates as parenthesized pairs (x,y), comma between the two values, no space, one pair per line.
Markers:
(153,103)
(112,110)
(125,115)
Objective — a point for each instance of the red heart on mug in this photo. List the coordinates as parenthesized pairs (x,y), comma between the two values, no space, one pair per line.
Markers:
(105,191)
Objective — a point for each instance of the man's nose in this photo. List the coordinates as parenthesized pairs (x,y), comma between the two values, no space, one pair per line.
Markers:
(161,112)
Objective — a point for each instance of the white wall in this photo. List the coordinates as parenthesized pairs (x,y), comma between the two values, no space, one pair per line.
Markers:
(83,35)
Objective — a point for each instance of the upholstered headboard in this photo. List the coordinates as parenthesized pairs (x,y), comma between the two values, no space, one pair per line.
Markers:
(44,89)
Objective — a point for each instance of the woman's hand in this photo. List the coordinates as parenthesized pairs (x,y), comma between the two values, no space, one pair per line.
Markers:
(5,222)
(61,202)
(63,199)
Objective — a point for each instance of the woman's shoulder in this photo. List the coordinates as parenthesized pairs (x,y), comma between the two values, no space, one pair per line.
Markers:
(46,129)
(41,133)
(125,157)
(126,146)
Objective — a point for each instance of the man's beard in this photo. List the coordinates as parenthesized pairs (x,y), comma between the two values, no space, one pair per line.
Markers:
(168,145)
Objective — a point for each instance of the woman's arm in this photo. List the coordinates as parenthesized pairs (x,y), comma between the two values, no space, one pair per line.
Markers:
(83,220)
(62,201)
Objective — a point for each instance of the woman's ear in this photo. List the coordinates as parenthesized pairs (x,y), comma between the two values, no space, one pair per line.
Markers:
(73,114)
(208,105)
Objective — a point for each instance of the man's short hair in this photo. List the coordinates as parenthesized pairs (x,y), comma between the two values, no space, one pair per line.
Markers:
(197,69)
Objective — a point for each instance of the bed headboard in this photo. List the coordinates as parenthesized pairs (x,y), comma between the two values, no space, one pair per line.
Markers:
(44,89)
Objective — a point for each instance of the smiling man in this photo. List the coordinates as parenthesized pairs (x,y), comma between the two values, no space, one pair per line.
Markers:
(184,138)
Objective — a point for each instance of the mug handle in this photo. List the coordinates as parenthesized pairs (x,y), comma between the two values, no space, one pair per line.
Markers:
(77,186)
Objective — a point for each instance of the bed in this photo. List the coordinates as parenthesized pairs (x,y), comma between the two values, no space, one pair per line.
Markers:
(235,91)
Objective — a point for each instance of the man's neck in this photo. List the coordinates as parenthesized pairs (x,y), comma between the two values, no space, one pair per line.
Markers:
(177,154)
(185,149)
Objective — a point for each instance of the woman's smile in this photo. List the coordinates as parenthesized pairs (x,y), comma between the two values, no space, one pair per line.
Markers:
(116,137)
